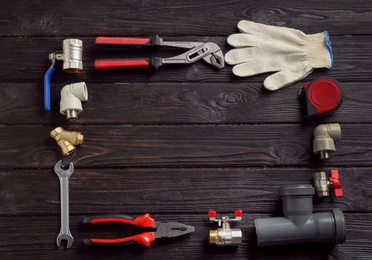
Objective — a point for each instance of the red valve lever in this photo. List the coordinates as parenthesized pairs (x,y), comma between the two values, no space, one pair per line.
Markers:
(336,183)
(238,213)
(212,213)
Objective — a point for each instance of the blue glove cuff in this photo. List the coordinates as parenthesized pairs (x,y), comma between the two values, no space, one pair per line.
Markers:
(329,45)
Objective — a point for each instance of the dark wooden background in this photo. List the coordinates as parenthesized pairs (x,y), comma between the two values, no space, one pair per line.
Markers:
(180,141)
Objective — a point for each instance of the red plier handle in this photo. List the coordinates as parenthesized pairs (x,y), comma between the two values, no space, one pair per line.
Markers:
(108,64)
(144,221)
(105,64)
(129,41)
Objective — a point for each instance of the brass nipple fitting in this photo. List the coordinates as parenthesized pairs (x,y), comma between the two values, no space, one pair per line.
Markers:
(67,140)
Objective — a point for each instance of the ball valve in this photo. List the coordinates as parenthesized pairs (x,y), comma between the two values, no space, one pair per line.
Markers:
(225,236)
(325,185)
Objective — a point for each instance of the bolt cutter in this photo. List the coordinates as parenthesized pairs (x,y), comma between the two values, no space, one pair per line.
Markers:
(209,52)
(159,230)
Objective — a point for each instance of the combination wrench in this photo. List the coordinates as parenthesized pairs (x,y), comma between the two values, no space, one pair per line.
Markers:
(64,176)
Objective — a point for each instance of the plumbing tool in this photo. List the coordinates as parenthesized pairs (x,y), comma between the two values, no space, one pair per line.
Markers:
(324,186)
(67,140)
(300,224)
(159,230)
(72,57)
(71,97)
(225,236)
(209,52)
(321,97)
(64,176)
(325,136)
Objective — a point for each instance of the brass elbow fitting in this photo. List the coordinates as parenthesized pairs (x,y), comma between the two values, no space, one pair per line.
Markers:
(325,136)
(67,140)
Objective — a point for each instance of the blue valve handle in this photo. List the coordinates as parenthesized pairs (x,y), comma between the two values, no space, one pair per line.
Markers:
(47,77)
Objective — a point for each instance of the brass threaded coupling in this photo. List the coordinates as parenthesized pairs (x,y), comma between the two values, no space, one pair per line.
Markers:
(66,146)
(67,140)
(213,237)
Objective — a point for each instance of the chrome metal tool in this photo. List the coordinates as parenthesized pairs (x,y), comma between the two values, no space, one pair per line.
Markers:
(64,176)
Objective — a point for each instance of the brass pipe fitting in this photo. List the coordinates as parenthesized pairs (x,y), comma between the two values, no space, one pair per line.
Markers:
(67,140)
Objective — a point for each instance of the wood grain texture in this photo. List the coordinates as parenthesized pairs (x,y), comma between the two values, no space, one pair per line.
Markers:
(185,146)
(352,63)
(186,103)
(173,190)
(173,17)
(180,141)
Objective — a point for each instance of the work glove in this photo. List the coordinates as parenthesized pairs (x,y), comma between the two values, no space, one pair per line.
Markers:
(290,53)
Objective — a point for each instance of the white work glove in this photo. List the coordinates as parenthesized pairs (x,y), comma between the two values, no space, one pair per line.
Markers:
(290,53)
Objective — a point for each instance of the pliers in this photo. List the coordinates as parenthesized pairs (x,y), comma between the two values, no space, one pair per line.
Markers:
(209,52)
(160,230)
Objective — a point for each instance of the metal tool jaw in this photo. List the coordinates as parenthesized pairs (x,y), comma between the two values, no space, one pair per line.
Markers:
(62,172)
(171,229)
(215,58)
(209,52)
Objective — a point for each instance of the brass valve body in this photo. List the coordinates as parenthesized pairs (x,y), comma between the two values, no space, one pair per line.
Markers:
(67,140)
(225,237)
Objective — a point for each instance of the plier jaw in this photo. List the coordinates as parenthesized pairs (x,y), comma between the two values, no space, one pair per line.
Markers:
(215,58)
(159,230)
(171,229)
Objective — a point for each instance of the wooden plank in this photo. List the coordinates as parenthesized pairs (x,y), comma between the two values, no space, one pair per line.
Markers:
(174,190)
(185,146)
(36,236)
(177,17)
(351,53)
(187,103)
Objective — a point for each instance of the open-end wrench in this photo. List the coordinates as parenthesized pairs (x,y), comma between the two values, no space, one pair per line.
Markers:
(64,176)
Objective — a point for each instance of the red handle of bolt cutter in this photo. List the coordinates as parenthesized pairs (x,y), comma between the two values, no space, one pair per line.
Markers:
(142,221)
(122,64)
(143,239)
